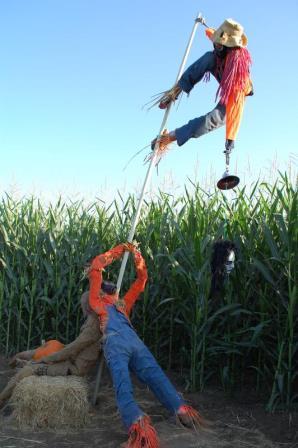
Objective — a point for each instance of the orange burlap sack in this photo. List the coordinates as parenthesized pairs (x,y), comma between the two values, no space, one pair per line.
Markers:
(47,348)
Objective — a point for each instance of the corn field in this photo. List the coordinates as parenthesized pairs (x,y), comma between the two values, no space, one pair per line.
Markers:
(246,338)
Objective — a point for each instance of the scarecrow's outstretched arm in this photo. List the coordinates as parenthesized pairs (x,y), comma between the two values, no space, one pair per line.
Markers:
(95,278)
(196,71)
(103,260)
(190,77)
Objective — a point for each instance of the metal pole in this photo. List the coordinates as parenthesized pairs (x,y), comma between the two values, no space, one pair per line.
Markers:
(199,19)
(98,378)
(227,152)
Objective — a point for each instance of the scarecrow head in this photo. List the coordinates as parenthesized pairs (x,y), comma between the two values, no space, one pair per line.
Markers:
(222,263)
(230,43)
(229,35)
(108,287)
(109,292)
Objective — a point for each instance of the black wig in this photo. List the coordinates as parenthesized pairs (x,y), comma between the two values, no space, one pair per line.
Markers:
(220,252)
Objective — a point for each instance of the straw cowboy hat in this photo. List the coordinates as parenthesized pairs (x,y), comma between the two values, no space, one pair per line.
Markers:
(230,34)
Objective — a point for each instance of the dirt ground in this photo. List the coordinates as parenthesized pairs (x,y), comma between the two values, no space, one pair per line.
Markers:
(240,423)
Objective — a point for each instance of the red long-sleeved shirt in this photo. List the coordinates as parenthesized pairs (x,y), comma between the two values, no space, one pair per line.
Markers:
(98,300)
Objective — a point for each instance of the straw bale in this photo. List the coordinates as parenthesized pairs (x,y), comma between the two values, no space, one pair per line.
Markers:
(51,402)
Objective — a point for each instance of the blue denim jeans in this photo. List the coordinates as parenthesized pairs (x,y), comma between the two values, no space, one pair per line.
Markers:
(202,125)
(124,352)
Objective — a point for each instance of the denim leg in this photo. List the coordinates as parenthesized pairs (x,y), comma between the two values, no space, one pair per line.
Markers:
(117,361)
(202,125)
(145,366)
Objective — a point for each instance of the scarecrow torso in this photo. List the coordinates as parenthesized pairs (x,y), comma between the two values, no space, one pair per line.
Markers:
(116,320)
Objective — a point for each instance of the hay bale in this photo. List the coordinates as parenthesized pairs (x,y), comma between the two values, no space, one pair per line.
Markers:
(51,402)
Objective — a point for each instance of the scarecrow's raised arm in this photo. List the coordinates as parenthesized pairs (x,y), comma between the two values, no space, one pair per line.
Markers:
(138,285)
(190,77)
(95,275)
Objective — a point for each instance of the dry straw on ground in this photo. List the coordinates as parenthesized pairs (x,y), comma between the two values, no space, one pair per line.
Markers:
(51,402)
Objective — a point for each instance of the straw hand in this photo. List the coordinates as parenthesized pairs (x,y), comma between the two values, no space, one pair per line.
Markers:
(131,246)
(169,96)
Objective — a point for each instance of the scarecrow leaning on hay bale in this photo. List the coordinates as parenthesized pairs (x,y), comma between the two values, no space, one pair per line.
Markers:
(125,351)
(229,63)
(76,358)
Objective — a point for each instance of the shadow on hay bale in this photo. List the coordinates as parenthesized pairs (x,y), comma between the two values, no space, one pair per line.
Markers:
(51,402)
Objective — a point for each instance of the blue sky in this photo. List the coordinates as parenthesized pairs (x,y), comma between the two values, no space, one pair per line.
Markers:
(75,75)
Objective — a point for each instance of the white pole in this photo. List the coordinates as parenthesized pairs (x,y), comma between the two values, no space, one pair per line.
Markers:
(199,19)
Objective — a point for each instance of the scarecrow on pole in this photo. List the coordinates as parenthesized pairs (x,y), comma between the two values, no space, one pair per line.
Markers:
(229,63)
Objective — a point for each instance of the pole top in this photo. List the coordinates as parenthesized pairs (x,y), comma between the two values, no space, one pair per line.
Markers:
(200,19)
